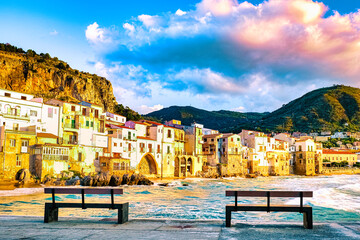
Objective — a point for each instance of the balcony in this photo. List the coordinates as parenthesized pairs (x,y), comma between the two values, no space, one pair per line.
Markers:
(73,142)
(71,127)
(16,116)
(55,157)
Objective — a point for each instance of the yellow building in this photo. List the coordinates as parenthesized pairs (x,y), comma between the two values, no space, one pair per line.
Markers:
(114,165)
(333,156)
(15,149)
(308,160)
(82,129)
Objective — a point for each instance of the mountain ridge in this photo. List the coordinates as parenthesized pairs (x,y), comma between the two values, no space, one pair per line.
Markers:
(334,108)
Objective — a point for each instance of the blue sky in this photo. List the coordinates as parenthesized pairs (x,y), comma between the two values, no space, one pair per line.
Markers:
(211,54)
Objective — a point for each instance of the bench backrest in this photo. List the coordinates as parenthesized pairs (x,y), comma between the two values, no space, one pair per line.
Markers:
(83,191)
(269,194)
(86,190)
(272,193)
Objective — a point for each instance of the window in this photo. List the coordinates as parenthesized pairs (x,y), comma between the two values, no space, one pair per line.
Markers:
(33,113)
(103,164)
(23,97)
(92,124)
(73,108)
(116,166)
(168,149)
(12,142)
(87,123)
(129,147)
(16,127)
(150,147)
(115,144)
(96,113)
(158,148)
(7,94)
(300,148)
(24,146)
(169,133)
(84,111)
(129,135)
(122,166)
(50,113)
(18,160)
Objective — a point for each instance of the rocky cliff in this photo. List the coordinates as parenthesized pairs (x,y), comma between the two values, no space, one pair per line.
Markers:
(49,77)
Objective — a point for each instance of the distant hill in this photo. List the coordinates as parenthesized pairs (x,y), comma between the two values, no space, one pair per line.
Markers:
(334,108)
(224,121)
(48,77)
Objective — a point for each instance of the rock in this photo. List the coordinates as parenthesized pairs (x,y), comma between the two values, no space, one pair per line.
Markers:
(87,181)
(101,179)
(23,176)
(73,182)
(126,179)
(66,174)
(60,182)
(134,180)
(185,184)
(115,181)
(163,184)
(48,180)
(26,74)
(143,180)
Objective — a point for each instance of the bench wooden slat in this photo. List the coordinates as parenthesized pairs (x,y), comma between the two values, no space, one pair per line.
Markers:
(86,190)
(272,193)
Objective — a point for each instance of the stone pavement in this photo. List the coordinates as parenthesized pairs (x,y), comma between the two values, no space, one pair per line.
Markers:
(20,227)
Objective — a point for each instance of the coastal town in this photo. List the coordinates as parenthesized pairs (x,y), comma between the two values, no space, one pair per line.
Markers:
(51,137)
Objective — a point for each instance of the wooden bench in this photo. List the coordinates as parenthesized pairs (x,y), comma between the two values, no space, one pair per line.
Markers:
(52,209)
(305,210)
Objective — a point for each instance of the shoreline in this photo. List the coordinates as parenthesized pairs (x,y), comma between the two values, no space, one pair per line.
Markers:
(8,185)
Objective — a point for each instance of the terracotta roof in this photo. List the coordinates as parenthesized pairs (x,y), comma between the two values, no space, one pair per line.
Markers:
(329,151)
(152,122)
(145,138)
(46,135)
(212,135)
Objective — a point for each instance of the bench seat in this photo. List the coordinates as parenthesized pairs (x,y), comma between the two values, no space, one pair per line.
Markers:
(52,210)
(306,210)
(264,208)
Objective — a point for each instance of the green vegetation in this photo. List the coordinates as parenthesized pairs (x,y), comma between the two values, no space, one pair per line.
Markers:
(332,142)
(127,112)
(334,108)
(340,164)
(224,121)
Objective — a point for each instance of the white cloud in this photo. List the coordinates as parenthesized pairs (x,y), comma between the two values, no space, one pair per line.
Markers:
(129,27)
(147,20)
(54,33)
(238,109)
(144,109)
(97,35)
(179,12)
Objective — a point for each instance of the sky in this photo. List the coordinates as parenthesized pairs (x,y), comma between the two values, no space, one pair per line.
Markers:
(247,56)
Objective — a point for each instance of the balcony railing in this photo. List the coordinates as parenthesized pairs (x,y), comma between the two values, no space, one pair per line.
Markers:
(74,142)
(16,116)
(71,125)
(55,157)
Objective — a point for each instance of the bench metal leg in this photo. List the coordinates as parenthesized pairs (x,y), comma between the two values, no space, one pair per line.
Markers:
(228,217)
(123,213)
(308,219)
(51,213)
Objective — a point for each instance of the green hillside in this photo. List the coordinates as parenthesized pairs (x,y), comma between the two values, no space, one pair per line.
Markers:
(334,108)
(224,121)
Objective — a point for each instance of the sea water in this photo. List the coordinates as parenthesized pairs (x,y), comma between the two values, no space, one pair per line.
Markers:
(336,199)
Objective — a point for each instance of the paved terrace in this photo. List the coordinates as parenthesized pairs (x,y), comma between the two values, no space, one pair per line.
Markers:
(19,227)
